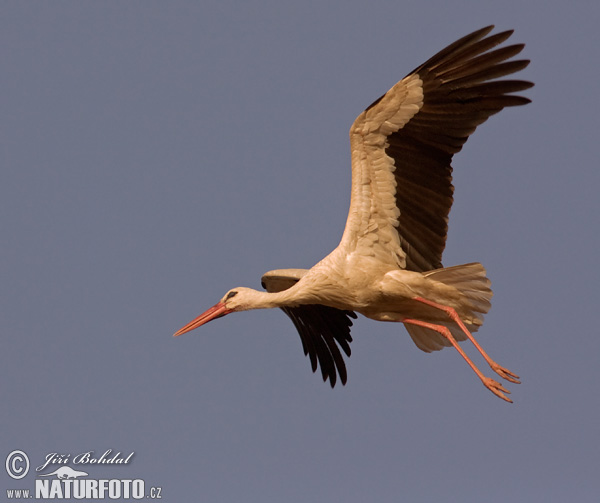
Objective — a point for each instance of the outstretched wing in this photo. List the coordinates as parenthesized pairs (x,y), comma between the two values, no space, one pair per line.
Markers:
(402,147)
(322,329)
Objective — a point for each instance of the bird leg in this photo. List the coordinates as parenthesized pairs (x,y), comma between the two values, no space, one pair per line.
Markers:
(494,386)
(501,371)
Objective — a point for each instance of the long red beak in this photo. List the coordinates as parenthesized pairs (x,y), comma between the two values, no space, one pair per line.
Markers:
(214,312)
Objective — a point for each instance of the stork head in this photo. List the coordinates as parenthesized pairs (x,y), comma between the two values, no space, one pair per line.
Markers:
(236,299)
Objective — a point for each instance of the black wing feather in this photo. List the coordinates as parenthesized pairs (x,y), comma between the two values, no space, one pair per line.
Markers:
(323,330)
(459,94)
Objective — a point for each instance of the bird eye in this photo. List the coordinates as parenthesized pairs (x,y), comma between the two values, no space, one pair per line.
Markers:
(231,294)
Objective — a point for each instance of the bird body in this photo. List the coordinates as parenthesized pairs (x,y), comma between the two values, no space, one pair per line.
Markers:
(388,266)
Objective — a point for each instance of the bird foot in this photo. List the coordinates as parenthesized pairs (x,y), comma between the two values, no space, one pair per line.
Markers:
(505,373)
(496,388)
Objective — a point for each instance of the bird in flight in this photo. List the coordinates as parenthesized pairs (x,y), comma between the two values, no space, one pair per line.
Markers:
(388,266)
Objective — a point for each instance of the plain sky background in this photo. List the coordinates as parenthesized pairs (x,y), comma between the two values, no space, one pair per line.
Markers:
(155,154)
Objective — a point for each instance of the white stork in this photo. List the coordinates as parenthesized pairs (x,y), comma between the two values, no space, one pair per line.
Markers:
(388,266)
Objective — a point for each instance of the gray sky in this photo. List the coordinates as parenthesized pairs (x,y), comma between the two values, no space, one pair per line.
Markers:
(156,154)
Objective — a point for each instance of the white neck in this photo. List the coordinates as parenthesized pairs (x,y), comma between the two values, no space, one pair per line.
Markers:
(294,296)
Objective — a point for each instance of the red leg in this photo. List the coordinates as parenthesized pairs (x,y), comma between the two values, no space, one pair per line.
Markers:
(494,386)
(501,371)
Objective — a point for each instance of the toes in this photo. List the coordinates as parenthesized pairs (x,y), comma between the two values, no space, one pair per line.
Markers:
(497,389)
(505,373)
(498,386)
(508,376)
(501,395)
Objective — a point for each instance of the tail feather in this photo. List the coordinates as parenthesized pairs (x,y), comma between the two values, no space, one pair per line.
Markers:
(471,281)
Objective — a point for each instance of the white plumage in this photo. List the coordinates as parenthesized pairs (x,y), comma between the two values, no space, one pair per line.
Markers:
(388,266)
